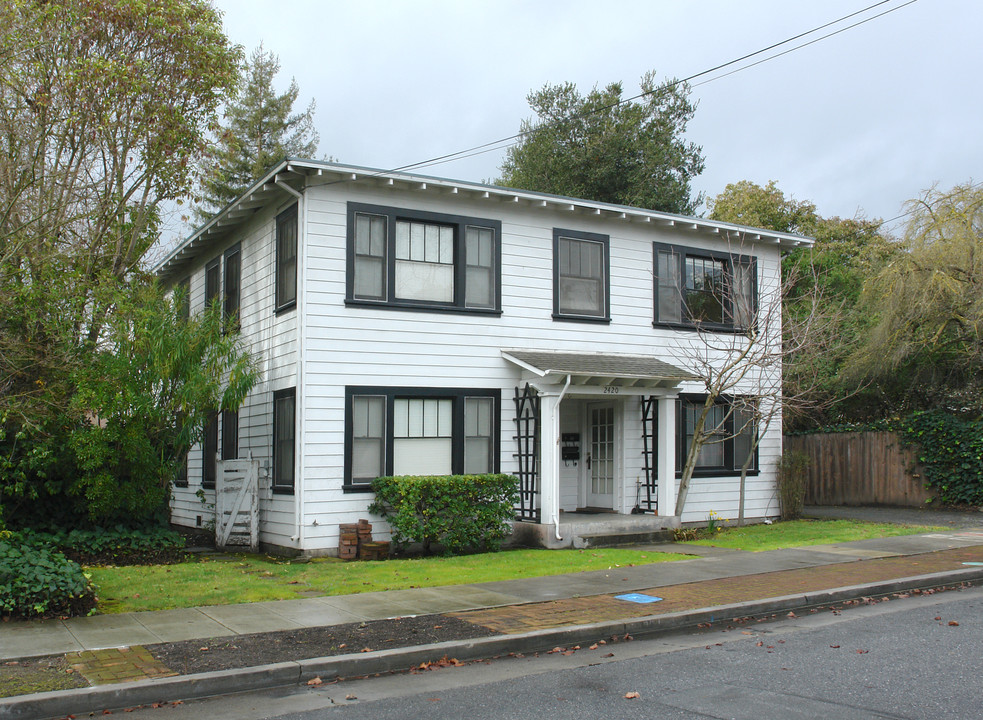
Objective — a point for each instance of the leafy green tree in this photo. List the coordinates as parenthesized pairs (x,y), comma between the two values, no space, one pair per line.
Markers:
(601,148)
(260,131)
(925,349)
(104,108)
(846,252)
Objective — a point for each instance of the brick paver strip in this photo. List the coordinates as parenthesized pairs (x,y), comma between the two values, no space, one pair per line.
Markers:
(707,593)
(100,667)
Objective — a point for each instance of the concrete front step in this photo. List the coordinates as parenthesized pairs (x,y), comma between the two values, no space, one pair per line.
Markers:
(582,530)
(623,538)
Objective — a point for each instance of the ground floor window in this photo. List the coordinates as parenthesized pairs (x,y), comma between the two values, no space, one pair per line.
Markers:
(730,429)
(284,445)
(419,431)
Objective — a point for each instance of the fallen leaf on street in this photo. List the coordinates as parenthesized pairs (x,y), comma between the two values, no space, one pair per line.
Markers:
(351,697)
(953,623)
(632,695)
(835,647)
(315,681)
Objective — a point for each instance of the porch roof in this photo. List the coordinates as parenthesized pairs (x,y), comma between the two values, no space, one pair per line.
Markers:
(599,369)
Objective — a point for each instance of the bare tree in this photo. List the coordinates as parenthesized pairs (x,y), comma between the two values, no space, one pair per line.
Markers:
(741,360)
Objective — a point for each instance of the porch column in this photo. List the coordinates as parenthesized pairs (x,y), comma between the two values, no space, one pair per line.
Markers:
(667,455)
(548,466)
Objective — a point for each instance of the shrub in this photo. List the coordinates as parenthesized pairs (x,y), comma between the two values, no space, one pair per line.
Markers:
(950,451)
(792,483)
(37,580)
(113,546)
(460,512)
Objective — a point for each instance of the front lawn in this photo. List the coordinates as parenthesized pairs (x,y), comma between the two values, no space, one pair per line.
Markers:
(249,578)
(797,533)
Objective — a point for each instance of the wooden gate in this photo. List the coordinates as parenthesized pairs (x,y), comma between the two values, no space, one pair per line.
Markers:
(237,504)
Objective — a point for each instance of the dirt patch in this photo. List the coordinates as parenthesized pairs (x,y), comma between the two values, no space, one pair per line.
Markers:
(24,677)
(194,656)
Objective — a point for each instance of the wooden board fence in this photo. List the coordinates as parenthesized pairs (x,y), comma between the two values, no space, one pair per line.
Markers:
(864,468)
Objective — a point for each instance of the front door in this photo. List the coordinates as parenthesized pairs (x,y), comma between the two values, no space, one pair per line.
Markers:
(600,458)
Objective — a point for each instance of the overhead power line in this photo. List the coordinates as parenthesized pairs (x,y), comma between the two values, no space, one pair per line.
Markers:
(501,143)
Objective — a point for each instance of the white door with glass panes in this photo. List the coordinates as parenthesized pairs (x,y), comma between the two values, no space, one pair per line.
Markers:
(601,448)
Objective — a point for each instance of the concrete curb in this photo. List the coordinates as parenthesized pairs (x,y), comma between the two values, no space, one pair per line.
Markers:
(226,682)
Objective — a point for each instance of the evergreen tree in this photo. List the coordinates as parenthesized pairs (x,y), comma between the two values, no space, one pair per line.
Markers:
(260,131)
(601,147)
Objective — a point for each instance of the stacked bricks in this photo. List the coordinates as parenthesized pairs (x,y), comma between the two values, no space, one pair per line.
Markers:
(355,541)
(348,541)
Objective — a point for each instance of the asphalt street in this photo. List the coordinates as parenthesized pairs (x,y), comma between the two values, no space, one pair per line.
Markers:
(906,658)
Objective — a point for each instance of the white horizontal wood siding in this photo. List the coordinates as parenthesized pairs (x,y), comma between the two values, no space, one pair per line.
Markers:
(377,346)
(272,340)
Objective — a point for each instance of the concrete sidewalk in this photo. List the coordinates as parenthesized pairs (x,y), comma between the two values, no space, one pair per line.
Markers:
(532,614)
(22,639)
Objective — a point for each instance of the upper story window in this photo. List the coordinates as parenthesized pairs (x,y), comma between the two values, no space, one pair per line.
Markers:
(213,280)
(419,260)
(232,290)
(286,259)
(182,296)
(581,276)
(704,288)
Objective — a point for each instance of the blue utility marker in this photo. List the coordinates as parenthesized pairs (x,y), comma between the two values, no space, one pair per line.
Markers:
(640,598)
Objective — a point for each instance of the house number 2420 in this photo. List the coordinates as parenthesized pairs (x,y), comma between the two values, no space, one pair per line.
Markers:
(612,390)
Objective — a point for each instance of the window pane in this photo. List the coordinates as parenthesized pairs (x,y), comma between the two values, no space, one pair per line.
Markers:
(286,257)
(284,417)
(478,447)
(368,437)
(422,456)
(743,294)
(705,285)
(479,280)
(367,459)
(670,297)
(232,278)
(424,281)
(230,435)
(209,451)
(744,433)
(370,257)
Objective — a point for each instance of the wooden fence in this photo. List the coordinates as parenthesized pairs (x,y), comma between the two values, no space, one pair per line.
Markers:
(864,468)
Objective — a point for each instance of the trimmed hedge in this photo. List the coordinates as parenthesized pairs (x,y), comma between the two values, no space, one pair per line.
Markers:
(36,580)
(112,546)
(459,512)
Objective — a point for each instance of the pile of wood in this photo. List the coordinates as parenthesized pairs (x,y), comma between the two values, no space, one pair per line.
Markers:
(355,542)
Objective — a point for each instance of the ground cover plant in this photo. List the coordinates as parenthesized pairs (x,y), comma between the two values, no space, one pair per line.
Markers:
(797,533)
(36,580)
(220,580)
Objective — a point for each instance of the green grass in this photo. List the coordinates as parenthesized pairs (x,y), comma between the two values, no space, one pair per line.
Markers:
(248,578)
(797,533)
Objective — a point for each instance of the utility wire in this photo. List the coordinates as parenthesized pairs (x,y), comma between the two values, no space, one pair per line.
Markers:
(512,139)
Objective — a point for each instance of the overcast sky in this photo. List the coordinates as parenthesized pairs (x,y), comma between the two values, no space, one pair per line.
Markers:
(857,123)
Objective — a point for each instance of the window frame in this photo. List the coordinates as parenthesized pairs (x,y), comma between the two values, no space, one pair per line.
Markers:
(391,394)
(282,266)
(460,225)
(730,260)
(278,487)
(582,236)
(729,468)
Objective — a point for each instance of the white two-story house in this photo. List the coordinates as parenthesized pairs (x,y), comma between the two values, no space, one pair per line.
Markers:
(406,324)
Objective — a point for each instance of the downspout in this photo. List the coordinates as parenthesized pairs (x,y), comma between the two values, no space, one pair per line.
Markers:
(556,432)
(301,346)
